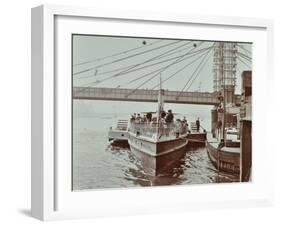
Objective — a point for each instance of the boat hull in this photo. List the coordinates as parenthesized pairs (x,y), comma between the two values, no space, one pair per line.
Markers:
(224,160)
(117,135)
(196,139)
(157,157)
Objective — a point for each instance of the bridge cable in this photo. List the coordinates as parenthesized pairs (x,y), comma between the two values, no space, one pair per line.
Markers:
(124,58)
(181,59)
(167,66)
(181,56)
(194,72)
(245,57)
(243,48)
(127,68)
(171,76)
(199,72)
(117,54)
(242,61)
(153,77)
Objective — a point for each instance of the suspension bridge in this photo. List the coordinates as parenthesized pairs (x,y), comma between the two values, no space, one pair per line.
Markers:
(145,95)
(178,61)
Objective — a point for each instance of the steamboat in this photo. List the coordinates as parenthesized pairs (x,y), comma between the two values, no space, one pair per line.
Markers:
(156,139)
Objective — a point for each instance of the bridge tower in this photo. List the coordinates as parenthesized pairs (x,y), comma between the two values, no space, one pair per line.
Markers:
(225,55)
(224,68)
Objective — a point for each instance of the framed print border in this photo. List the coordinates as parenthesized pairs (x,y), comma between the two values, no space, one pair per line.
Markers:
(45,164)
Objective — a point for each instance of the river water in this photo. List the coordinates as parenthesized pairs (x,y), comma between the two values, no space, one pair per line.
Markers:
(98,165)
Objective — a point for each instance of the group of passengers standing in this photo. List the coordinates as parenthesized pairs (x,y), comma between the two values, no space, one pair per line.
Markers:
(166,122)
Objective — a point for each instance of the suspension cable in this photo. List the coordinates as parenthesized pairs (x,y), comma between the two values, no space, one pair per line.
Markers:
(171,76)
(198,73)
(194,72)
(153,77)
(181,56)
(243,48)
(243,62)
(116,54)
(244,56)
(127,68)
(125,58)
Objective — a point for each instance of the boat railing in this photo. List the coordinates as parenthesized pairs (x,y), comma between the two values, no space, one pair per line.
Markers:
(149,129)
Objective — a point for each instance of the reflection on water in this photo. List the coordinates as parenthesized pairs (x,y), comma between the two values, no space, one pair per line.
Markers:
(96,164)
(194,168)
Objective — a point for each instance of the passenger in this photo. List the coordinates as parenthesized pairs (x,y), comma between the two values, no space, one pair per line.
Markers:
(162,127)
(170,116)
(184,119)
(153,124)
(170,119)
(197,124)
(144,119)
(163,114)
(219,125)
(213,131)
(184,126)
(143,125)
(178,127)
(133,118)
(149,117)
(138,119)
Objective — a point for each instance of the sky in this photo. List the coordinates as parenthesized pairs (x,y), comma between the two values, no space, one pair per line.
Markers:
(98,61)
(90,69)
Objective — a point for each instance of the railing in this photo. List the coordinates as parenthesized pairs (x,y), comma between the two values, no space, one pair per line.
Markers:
(150,129)
(146,95)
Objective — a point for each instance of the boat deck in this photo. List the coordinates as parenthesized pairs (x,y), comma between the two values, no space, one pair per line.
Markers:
(231,149)
(215,143)
(162,138)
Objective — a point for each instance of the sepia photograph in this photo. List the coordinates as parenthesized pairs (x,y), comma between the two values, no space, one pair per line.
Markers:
(152,111)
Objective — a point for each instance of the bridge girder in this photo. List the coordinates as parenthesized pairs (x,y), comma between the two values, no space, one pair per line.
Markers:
(145,95)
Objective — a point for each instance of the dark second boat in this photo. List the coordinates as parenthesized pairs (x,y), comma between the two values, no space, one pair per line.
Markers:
(196,136)
(225,155)
(225,152)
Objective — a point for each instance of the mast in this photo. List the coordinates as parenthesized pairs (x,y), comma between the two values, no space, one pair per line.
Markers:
(160,97)
(160,104)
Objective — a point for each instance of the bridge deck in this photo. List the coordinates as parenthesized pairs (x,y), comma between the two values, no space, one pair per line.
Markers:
(145,95)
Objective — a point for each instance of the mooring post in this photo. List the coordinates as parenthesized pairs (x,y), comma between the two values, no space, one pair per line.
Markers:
(246,150)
